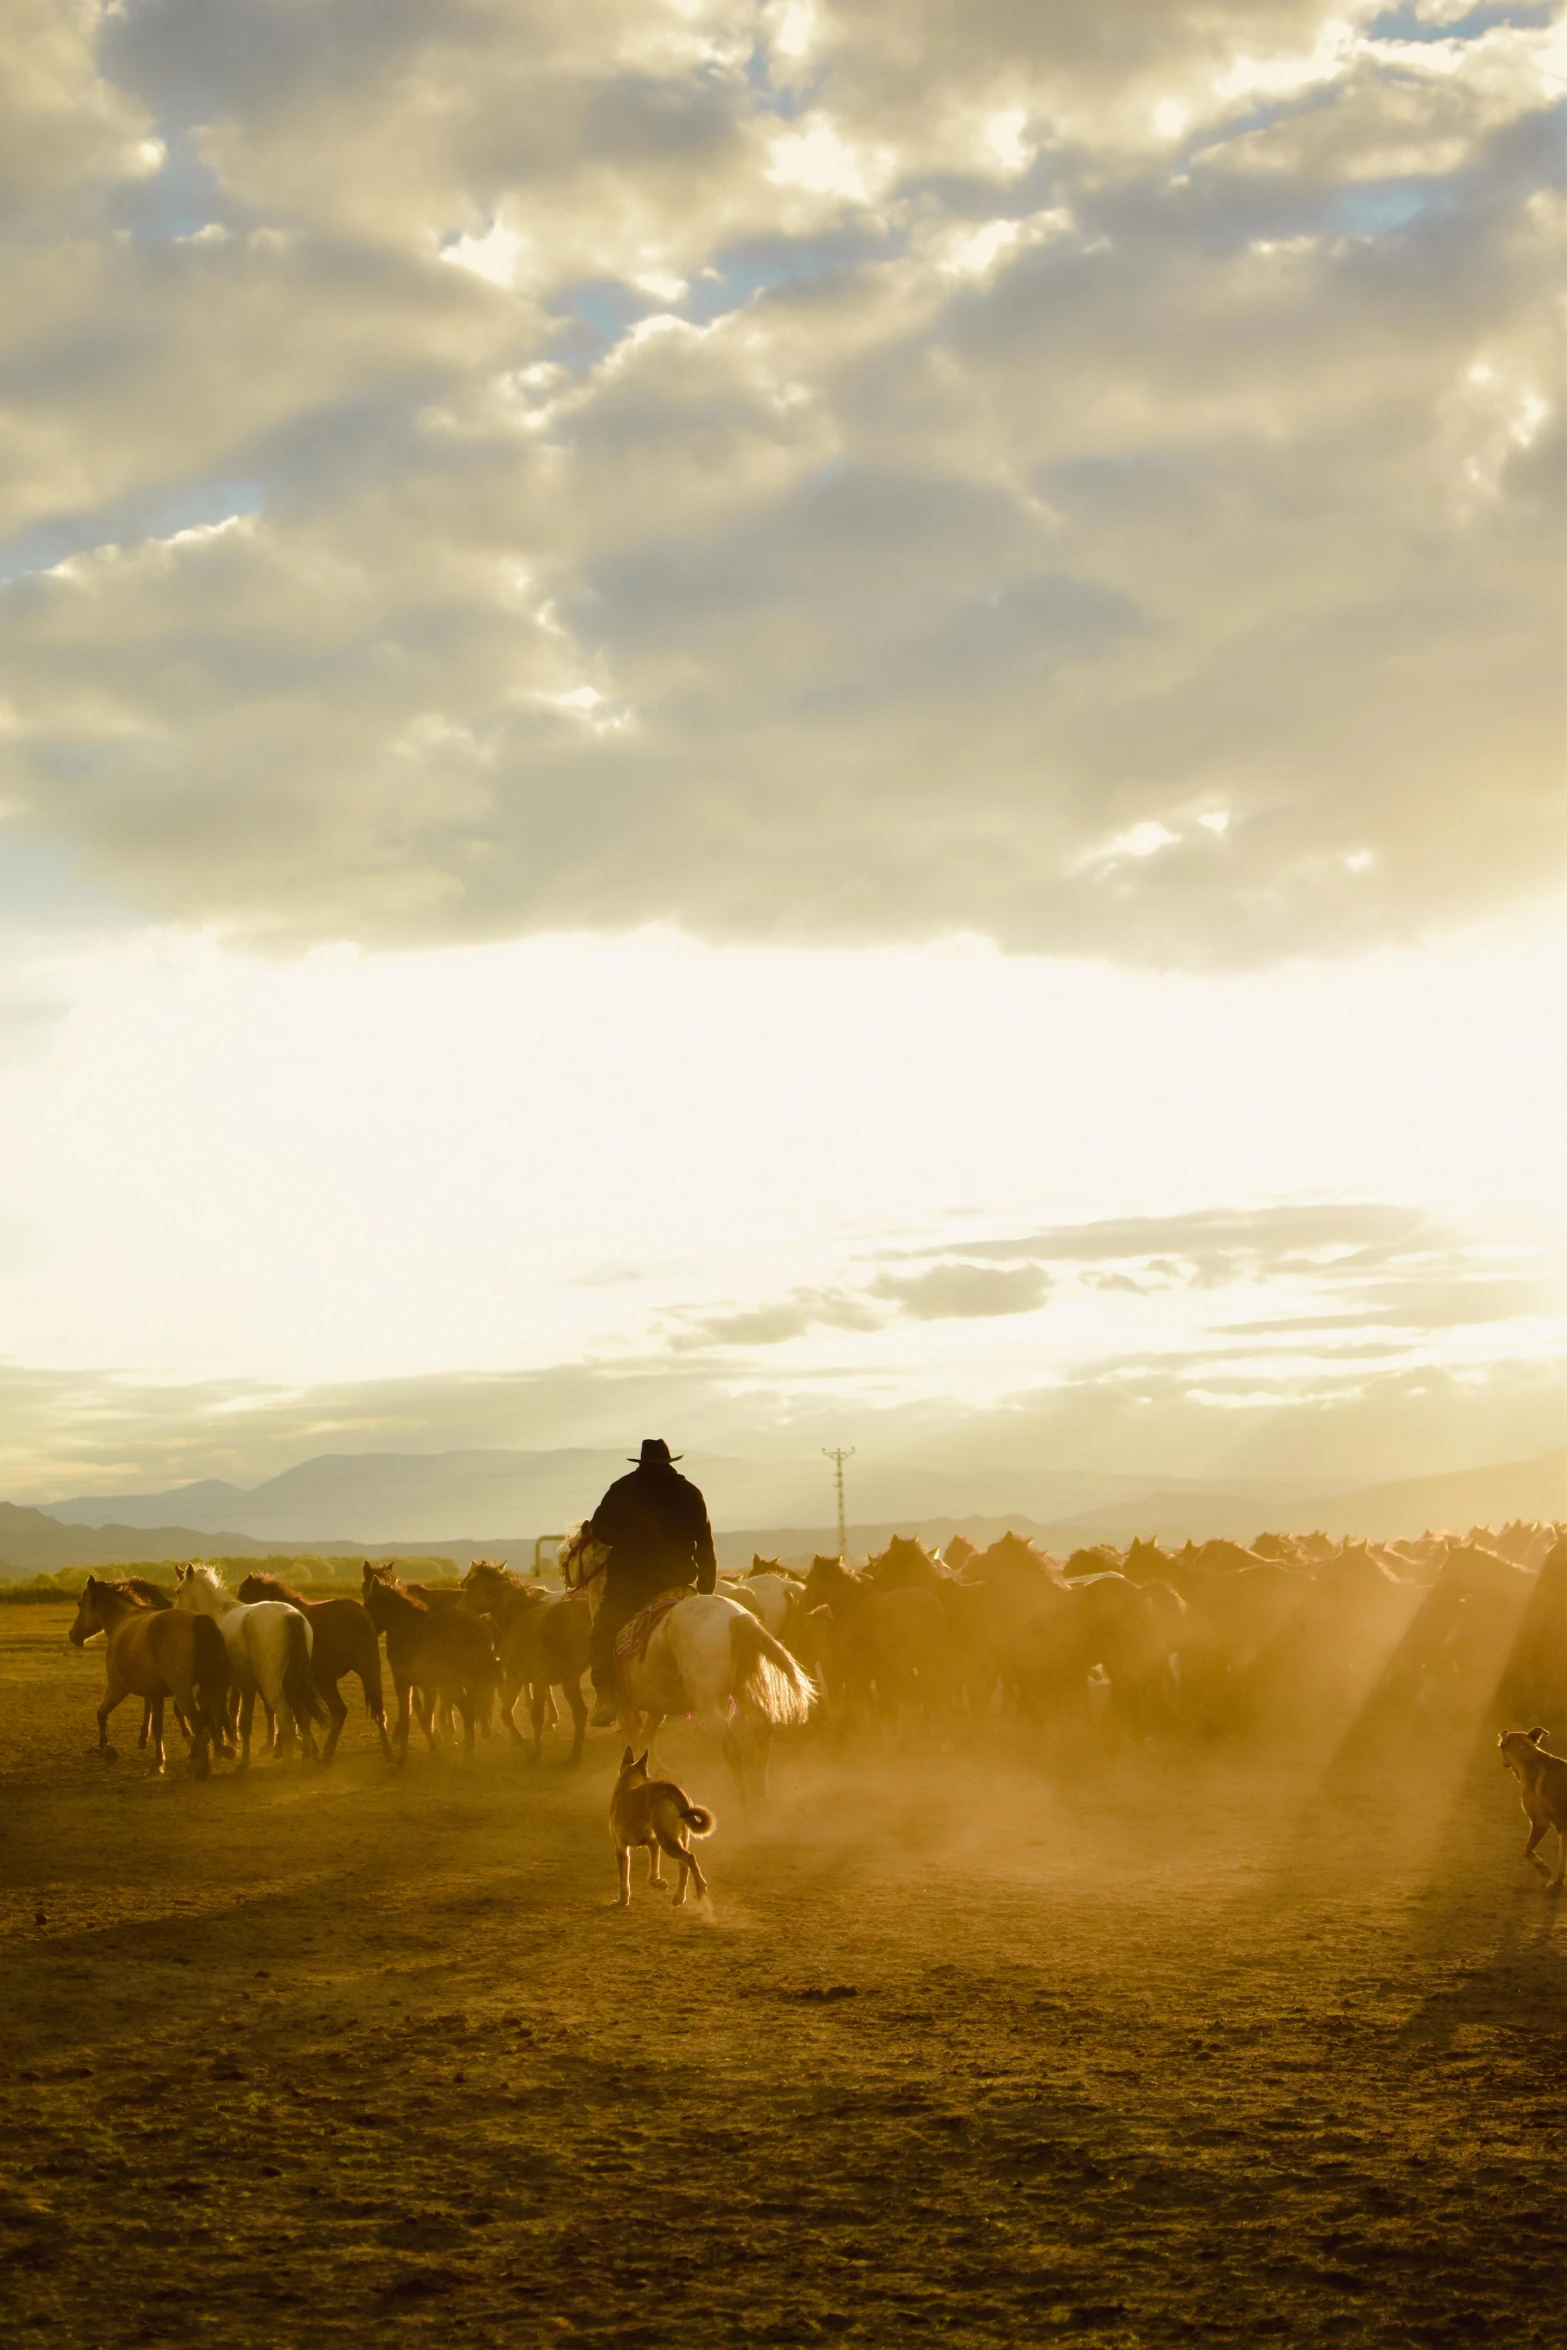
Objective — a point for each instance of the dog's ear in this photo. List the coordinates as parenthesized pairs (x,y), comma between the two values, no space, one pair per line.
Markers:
(641,1762)
(625,1760)
(1535,1737)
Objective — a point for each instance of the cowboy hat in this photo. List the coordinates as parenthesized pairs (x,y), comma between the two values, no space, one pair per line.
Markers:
(655,1453)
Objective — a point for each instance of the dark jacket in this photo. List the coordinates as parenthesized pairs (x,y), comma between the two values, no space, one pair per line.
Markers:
(655,1522)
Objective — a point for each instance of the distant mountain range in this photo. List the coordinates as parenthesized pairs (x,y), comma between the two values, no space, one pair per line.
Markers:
(406,1503)
(424,1497)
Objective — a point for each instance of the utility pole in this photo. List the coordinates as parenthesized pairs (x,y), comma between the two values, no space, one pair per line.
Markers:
(838,1454)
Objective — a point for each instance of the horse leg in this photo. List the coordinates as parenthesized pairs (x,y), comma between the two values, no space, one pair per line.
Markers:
(156,1705)
(465,1708)
(755,1736)
(430,1711)
(512,1687)
(731,1743)
(247,1714)
(331,1698)
(197,1728)
(537,1694)
(404,1691)
(375,1707)
(146,1723)
(112,1695)
(579,1722)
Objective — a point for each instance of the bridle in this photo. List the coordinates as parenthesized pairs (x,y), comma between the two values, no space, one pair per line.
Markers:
(573,1574)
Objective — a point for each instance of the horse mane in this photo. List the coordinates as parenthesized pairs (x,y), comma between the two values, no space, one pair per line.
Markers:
(210,1576)
(391,1586)
(276,1588)
(508,1575)
(152,1595)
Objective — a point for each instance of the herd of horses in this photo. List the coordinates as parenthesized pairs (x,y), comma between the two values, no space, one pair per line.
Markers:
(1141,1645)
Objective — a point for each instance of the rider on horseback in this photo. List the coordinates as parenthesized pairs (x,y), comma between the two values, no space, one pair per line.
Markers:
(655,1523)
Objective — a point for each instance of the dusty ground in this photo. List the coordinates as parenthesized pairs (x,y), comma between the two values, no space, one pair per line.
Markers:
(1149,2052)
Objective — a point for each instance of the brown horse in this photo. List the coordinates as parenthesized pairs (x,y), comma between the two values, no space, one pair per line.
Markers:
(440,1653)
(893,1642)
(147,1594)
(157,1654)
(543,1640)
(436,1596)
(342,1640)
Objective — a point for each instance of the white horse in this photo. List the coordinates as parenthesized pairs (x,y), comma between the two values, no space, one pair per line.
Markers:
(770,1598)
(268,1643)
(708,1657)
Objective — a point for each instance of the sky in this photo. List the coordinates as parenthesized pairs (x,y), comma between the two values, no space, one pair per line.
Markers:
(797,723)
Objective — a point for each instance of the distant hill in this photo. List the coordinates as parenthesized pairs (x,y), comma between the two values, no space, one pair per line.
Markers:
(34,1541)
(207,1506)
(1460,1498)
(422,1497)
(33,1544)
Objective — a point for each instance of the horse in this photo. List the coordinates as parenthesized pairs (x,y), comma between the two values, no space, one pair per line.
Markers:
(148,1595)
(705,1656)
(436,1596)
(156,1654)
(974,1611)
(342,1640)
(770,1594)
(893,1642)
(441,1654)
(543,1641)
(268,1645)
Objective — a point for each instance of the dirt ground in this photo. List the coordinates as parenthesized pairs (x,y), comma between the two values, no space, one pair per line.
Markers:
(978,2049)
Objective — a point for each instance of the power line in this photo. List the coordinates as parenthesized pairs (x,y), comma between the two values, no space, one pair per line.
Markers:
(838,1454)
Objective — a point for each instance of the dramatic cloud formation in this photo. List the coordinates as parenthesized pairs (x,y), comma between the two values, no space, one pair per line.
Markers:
(1082,474)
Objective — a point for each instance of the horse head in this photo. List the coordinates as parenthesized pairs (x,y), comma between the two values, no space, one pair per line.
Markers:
(200,1589)
(582,1558)
(89,1613)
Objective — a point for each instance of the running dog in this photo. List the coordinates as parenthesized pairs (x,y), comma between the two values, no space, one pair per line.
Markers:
(658,1814)
(1542,1789)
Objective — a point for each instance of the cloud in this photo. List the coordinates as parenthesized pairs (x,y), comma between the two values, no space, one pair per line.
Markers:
(1213,1245)
(1180,1415)
(952,1291)
(1339,1282)
(860,479)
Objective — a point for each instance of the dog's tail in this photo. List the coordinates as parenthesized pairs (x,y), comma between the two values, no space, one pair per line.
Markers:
(768,1680)
(698,1818)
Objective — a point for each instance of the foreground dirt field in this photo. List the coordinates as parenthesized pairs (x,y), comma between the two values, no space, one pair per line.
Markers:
(976,2052)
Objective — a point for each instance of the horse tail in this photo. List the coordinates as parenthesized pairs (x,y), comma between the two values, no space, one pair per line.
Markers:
(698,1819)
(209,1675)
(767,1678)
(299,1687)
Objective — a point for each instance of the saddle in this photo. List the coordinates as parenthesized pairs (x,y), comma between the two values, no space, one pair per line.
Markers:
(632,1639)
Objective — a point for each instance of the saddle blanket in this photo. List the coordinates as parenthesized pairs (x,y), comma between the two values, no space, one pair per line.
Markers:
(632,1638)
